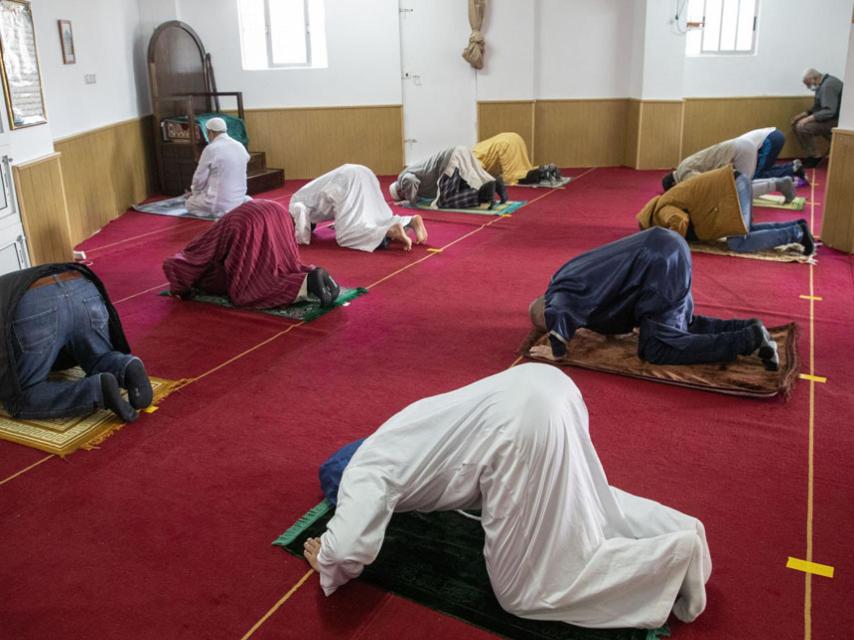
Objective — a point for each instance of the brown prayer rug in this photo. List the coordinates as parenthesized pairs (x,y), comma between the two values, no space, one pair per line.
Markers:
(62,436)
(618,354)
(785,253)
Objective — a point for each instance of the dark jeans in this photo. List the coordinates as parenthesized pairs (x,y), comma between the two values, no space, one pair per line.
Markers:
(705,340)
(761,235)
(68,314)
(768,152)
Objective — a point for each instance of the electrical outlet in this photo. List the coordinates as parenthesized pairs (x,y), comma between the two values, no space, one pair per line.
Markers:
(89,78)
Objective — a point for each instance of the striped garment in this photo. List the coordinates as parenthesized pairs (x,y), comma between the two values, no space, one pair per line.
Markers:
(455,193)
(250,254)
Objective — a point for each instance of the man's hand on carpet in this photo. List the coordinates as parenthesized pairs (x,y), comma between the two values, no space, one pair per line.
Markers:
(311,548)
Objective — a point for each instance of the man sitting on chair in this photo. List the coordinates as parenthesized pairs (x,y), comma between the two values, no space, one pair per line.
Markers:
(451,179)
(58,316)
(219,183)
(644,281)
(251,256)
(505,155)
(351,196)
(718,204)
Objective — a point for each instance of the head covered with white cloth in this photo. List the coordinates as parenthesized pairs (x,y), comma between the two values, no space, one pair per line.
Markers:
(560,543)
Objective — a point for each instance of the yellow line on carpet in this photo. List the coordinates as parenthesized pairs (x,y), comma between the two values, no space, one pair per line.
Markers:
(243,353)
(23,471)
(142,235)
(810,440)
(136,295)
(812,378)
(817,298)
(824,570)
(276,606)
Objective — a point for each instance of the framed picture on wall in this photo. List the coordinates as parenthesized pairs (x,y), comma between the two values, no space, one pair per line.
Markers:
(22,80)
(66,38)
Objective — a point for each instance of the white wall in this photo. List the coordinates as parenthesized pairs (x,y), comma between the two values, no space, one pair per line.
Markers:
(663,54)
(364,56)
(583,48)
(508,72)
(846,117)
(104,32)
(793,35)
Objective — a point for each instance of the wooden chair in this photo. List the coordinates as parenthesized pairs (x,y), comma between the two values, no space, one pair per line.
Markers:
(182,84)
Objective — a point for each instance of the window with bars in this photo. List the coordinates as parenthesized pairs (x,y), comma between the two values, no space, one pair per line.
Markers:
(722,27)
(282,34)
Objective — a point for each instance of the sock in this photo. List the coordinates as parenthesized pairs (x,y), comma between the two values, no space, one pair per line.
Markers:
(534,176)
(806,238)
(112,398)
(786,186)
(321,284)
(138,385)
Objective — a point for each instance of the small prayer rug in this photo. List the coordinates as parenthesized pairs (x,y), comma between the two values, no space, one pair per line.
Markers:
(304,311)
(546,184)
(498,209)
(436,560)
(619,354)
(771,201)
(784,253)
(175,207)
(62,436)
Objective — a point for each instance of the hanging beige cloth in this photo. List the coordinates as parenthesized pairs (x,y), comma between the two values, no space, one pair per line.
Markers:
(474,52)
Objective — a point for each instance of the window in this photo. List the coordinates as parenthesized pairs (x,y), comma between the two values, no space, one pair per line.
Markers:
(282,34)
(722,27)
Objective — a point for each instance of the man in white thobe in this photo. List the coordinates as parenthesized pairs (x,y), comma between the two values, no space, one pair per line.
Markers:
(560,544)
(351,196)
(219,183)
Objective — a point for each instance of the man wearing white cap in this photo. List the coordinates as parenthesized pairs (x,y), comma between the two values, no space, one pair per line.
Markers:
(219,183)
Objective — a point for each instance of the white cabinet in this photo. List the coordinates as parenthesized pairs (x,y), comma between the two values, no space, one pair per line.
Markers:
(13,246)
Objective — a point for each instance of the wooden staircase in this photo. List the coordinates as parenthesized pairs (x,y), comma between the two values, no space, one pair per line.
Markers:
(260,177)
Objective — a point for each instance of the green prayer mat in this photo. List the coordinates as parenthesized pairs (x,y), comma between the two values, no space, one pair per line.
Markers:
(305,311)
(770,201)
(497,209)
(234,126)
(436,559)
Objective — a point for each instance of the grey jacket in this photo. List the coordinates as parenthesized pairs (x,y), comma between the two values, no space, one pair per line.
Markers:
(827,99)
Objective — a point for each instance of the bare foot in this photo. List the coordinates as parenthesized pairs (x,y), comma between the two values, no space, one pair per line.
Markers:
(543,351)
(417,224)
(311,548)
(397,233)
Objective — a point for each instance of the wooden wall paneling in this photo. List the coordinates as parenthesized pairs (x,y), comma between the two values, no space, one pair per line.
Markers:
(838,226)
(633,115)
(708,121)
(516,116)
(44,210)
(659,134)
(106,170)
(581,133)
(308,142)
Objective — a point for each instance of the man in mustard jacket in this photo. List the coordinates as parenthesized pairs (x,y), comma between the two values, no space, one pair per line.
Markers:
(718,204)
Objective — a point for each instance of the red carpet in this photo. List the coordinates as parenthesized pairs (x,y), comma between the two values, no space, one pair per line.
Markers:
(165,531)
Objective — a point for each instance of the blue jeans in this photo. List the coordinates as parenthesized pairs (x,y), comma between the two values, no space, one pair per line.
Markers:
(761,235)
(70,315)
(768,152)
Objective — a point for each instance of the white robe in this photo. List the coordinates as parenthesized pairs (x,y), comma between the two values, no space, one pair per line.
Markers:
(351,196)
(560,543)
(219,183)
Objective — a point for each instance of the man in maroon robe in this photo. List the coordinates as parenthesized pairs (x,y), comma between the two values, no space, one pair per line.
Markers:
(251,256)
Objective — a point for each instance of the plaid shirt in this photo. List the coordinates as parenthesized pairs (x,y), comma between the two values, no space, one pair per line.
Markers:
(455,193)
